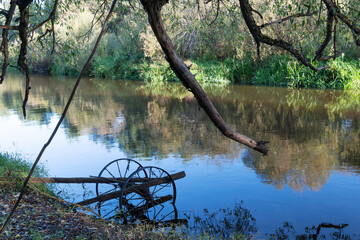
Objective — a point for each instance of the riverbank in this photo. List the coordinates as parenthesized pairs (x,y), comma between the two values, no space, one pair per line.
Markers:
(274,70)
(41,215)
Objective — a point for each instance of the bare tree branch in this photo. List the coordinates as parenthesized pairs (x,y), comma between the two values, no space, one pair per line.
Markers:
(259,37)
(7,27)
(257,12)
(153,9)
(329,29)
(95,19)
(298,15)
(217,12)
(337,53)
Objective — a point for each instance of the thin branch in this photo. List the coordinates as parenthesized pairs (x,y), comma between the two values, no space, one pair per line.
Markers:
(334,41)
(94,20)
(4,12)
(217,13)
(7,27)
(53,35)
(298,15)
(337,54)
(60,120)
(51,17)
(231,12)
(257,12)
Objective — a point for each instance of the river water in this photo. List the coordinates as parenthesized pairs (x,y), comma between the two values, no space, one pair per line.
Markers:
(310,180)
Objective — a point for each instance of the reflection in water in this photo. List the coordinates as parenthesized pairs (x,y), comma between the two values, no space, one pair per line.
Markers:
(236,223)
(309,133)
(321,231)
(314,138)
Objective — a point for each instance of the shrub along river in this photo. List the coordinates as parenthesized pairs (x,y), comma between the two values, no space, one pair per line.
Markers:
(308,184)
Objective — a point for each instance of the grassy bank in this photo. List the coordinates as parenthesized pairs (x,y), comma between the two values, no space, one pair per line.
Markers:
(278,70)
(15,169)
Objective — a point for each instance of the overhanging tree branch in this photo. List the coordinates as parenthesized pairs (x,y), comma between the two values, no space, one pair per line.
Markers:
(153,9)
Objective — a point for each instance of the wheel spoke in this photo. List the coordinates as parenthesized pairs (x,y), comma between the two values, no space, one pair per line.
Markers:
(117,164)
(143,202)
(118,168)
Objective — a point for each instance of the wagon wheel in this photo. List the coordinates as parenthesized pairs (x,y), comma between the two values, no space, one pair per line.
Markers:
(151,200)
(119,168)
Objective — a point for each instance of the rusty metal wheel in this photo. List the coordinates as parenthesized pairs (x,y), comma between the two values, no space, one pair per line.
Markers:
(148,195)
(119,168)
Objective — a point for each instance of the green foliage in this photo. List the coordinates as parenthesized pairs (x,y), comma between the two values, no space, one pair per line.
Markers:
(277,70)
(117,67)
(210,72)
(216,41)
(157,72)
(206,72)
(285,71)
(118,57)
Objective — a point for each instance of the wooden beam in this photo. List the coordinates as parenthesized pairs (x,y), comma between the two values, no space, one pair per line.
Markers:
(90,179)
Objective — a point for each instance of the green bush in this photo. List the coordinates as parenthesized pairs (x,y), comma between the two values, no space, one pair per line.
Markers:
(157,72)
(115,67)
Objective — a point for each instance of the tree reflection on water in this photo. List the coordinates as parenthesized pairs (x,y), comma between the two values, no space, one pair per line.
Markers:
(238,223)
(311,132)
(235,223)
(322,231)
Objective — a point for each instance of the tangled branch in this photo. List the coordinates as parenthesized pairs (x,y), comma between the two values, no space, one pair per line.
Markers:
(333,13)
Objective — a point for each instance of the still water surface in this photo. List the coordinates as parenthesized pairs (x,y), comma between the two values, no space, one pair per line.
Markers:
(310,177)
